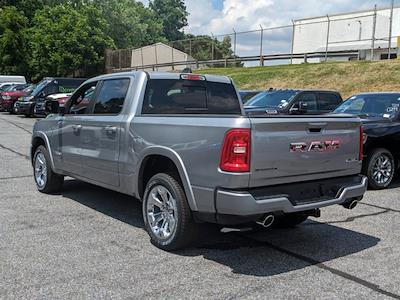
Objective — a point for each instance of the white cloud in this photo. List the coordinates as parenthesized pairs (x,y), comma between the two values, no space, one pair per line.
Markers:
(248,14)
(243,15)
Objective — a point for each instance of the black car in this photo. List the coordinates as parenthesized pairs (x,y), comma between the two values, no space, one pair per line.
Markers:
(46,87)
(308,102)
(380,115)
(246,95)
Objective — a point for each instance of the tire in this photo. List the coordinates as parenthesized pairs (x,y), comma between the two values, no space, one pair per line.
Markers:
(172,209)
(46,180)
(289,220)
(380,168)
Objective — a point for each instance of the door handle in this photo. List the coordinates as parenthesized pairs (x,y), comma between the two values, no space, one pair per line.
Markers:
(76,128)
(110,130)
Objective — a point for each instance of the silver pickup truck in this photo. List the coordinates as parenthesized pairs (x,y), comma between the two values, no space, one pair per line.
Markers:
(183,145)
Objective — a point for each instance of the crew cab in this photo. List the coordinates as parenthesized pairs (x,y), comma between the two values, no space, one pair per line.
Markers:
(294,102)
(184,146)
(379,113)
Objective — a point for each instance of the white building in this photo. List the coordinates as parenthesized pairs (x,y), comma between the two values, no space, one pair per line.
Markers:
(156,54)
(348,32)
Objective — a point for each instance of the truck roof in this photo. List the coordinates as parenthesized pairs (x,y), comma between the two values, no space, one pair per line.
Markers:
(301,90)
(163,75)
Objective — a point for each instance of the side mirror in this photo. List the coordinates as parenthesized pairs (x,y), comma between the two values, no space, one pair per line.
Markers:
(52,107)
(299,108)
(42,95)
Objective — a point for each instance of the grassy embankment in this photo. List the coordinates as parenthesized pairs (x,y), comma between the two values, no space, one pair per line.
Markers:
(346,77)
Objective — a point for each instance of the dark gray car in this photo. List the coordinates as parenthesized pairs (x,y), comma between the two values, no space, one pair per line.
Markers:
(183,145)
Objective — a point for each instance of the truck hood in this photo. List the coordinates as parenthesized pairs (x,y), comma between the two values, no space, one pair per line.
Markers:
(13,94)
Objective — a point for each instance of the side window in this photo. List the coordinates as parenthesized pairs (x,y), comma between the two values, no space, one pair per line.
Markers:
(310,99)
(328,101)
(80,101)
(111,97)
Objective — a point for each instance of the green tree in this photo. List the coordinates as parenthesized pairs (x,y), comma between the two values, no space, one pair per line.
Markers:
(12,41)
(204,47)
(173,14)
(26,7)
(131,24)
(68,42)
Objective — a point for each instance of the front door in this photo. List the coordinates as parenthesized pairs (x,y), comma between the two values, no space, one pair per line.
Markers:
(101,131)
(71,129)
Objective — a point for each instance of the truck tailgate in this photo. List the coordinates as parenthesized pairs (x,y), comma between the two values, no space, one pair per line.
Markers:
(297,148)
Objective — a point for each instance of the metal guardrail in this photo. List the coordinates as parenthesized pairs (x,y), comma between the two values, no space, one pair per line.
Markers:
(233,61)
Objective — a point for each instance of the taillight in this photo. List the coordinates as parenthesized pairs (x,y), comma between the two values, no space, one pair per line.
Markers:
(362,140)
(235,156)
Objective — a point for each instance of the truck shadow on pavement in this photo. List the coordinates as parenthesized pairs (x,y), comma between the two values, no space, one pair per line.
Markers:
(266,253)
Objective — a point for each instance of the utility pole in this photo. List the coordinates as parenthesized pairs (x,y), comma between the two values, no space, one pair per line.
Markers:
(292,46)
(261,46)
(390,29)
(373,34)
(327,38)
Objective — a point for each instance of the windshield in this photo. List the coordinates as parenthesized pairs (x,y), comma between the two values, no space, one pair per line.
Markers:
(383,105)
(8,88)
(39,87)
(5,87)
(29,89)
(279,99)
(247,95)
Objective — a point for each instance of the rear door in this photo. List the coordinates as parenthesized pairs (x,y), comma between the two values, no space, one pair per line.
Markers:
(101,132)
(289,149)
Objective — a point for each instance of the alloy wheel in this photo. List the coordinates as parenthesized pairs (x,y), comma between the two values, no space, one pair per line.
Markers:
(382,169)
(161,212)
(40,170)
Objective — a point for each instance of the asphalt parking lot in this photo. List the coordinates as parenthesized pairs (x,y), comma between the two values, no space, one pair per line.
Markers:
(88,242)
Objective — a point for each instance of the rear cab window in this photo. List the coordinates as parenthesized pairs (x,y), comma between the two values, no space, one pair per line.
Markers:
(178,96)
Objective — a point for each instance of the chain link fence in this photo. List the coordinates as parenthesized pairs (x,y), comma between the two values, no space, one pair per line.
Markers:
(365,35)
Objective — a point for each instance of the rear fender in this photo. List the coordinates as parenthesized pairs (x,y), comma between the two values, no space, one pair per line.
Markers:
(176,159)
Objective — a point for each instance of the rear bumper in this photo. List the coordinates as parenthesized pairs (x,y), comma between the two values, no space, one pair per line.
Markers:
(247,203)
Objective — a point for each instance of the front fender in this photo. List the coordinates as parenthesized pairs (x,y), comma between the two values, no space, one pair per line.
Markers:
(42,136)
(174,156)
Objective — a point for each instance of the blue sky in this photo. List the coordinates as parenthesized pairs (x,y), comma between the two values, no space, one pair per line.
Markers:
(218,4)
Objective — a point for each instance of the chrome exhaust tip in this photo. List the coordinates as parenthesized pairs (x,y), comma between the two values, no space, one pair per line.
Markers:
(351,204)
(267,221)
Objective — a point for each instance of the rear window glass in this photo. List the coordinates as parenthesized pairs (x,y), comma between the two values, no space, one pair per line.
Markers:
(170,96)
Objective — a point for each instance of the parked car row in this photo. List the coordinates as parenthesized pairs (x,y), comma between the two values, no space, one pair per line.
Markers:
(29,100)
(379,113)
